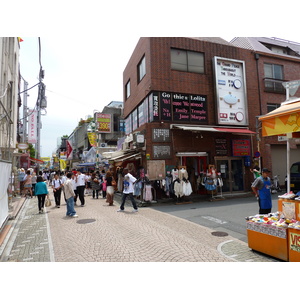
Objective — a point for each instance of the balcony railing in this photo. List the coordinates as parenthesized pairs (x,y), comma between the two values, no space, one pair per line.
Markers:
(274,86)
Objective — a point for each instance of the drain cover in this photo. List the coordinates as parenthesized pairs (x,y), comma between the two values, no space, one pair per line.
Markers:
(219,233)
(85,221)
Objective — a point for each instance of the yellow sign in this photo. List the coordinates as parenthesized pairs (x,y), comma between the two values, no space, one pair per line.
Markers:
(92,138)
(295,241)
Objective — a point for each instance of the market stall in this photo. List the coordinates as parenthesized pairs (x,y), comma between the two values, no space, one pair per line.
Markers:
(278,234)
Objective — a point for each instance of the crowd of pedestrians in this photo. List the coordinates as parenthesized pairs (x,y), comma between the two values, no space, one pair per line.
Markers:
(74,185)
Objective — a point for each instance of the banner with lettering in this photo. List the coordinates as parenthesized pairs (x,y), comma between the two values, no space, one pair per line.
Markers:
(32,126)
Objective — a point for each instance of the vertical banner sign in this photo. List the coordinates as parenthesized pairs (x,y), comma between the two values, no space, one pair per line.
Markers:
(103,123)
(92,136)
(32,126)
(230,82)
(69,150)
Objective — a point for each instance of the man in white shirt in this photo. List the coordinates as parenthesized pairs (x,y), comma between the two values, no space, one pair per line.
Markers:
(128,182)
(70,194)
(81,182)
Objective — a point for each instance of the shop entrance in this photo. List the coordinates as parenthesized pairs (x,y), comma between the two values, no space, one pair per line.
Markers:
(232,173)
(196,166)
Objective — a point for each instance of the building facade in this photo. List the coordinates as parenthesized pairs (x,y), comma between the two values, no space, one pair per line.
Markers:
(195,100)
(276,61)
(9,103)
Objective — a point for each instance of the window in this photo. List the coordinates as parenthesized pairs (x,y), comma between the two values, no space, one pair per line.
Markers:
(142,69)
(127,89)
(273,78)
(272,106)
(189,61)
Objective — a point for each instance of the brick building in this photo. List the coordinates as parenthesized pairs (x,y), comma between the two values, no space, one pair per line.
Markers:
(195,101)
(276,61)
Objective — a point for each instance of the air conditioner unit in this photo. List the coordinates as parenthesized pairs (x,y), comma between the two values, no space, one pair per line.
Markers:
(103,145)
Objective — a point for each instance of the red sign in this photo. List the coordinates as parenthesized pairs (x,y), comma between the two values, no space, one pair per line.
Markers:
(69,149)
(241,148)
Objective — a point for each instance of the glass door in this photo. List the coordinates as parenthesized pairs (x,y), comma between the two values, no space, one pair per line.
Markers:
(232,173)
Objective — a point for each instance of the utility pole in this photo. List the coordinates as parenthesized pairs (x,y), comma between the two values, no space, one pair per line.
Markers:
(41,104)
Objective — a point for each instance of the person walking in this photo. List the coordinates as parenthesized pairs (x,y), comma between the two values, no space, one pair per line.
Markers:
(128,182)
(70,194)
(33,181)
(110,189)
(95,184)
(81,181)
(262,190)
(28,183)
(57,188)
(41,191)
(73,179)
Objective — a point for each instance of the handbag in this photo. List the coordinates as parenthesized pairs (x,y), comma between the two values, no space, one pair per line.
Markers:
(113,182)
(48,202)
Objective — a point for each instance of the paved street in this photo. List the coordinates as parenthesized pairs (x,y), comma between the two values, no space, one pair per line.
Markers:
(101,234)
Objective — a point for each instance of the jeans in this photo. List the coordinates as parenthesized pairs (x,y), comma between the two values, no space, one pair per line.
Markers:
(124,196)
(41,200)
(70,207)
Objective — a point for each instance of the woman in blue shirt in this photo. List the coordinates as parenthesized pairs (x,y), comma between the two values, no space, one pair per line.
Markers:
(41,190)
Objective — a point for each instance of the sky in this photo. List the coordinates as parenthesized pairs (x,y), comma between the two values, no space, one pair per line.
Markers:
(79,79)
(85,49)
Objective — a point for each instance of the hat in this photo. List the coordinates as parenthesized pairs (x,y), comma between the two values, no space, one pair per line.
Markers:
(265,170)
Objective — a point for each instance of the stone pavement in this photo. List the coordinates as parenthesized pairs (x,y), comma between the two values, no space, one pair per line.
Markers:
(101,234)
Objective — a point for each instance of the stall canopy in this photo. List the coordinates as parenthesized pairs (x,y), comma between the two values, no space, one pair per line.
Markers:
(236,130)
(282,120)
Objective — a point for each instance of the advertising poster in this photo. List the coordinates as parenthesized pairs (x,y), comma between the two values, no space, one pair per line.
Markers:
(103,122)
(231,93)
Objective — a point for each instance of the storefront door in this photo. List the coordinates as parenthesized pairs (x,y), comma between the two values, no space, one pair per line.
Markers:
(232,173)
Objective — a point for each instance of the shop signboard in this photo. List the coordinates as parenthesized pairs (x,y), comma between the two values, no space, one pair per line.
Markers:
(241,147)
(230,83)
(103,122)
(160,135)
(221,147)
(161,151)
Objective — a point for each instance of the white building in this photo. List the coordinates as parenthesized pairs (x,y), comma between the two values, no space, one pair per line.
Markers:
(9,89)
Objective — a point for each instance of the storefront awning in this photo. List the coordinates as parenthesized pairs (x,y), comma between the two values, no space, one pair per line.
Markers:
(36,160)
(191,154)
(87,164)
(282,120)
(127,157)
(214,129)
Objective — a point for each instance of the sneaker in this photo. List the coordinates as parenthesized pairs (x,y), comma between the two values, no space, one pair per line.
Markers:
(120,210)
(82,205)
(74,216)
(135,210)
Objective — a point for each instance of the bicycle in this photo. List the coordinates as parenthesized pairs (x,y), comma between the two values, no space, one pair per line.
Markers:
(275,186)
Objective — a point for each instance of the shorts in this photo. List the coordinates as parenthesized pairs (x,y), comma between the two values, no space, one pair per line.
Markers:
(27,185)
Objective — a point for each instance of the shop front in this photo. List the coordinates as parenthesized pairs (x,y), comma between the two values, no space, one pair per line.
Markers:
(232,173)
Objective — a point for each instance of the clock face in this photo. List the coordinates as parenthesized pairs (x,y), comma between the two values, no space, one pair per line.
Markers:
(239,116)
(237,83)
(230,99)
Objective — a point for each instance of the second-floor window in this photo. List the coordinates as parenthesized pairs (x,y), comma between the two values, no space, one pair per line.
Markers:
(273,78)
(189,61)
(127,89)
(142,68)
